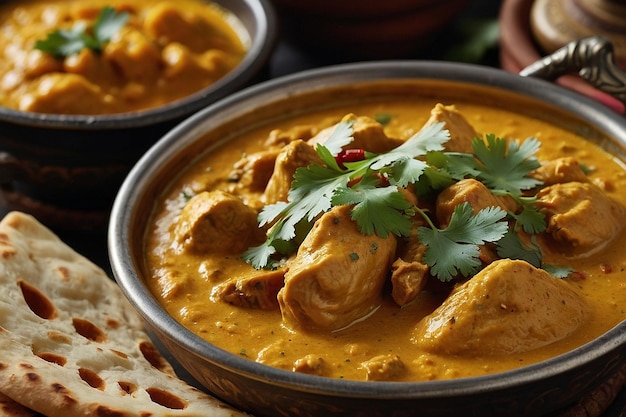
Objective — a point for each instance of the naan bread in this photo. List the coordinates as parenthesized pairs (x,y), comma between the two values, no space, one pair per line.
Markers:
(10,408)
(71,344)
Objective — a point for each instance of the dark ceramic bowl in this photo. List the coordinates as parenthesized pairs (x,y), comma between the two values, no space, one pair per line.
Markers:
(534,390)
(66,169)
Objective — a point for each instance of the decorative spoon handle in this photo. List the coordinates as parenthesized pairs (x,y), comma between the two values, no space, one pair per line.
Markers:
(592,58)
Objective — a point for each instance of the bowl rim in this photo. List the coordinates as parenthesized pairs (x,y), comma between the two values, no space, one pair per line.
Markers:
(129,195)
(263,34)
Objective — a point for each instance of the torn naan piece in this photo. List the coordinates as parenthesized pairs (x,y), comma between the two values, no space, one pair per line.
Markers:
(71,344)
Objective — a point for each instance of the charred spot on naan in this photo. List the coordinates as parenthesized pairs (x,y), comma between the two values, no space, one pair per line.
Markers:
(37,301)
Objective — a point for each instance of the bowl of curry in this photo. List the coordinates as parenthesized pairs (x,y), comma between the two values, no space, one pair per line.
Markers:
(87,87)
(386,238)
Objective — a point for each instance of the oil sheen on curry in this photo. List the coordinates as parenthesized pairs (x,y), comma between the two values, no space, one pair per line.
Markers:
(143,54)
(482,275)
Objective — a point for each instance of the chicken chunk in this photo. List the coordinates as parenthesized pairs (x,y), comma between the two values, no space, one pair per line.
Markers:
(407,280)
(580,216)
(510,306)
(85,63)
(310,364)
(216,221)
(37,63)
(337,275)
(166,23)
(473,192)
(255,290)
(180,63)
(255,170)
(368,134)
(409,274)
(383,368)
(461,132)
(63,93)
(133,56)
(558,171)
(280,137)
(293,156)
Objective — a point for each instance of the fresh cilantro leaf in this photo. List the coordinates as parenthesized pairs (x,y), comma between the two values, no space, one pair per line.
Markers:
(62,43)
(328,158)
(510,246)
(432,180)
(430,138)
(376,210)
(530,219)
(436,175)
(499,164)
(459,165)
(479,228)
(455,249)
(341,136)
(459,257)
(310,195)
(506,167)
(383,118)
(260,256)
(108,23)
(587,170)
(404,169)
(557,271)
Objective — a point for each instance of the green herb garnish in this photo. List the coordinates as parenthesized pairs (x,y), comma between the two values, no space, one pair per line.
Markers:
(503,167)
(383,118)
(460,240)
(315,187)
(371,186)
(62,43)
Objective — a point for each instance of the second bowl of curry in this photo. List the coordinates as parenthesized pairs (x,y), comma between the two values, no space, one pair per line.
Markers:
(87,87)
(393,238)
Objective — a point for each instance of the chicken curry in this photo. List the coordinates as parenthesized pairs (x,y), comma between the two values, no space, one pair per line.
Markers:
(425,293)
(112,56)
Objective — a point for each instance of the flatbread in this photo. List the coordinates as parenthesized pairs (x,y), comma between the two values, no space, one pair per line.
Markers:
(10,408)
(71,344)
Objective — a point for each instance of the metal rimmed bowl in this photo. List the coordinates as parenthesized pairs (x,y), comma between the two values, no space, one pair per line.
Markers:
(535,390)
(66,169)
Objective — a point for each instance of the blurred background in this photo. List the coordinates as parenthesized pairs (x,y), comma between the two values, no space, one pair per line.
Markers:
(508,34)
(326,32)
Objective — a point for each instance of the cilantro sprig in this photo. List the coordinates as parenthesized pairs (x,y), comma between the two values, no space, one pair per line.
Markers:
(371,186)
(62,43)
(460,240)
(317,188)
(503,167)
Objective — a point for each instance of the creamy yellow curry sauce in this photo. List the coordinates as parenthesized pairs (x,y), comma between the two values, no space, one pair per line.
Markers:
(166,50)
(390,342)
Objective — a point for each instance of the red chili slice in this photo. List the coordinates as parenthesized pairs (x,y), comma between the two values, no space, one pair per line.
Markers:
(349,155)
